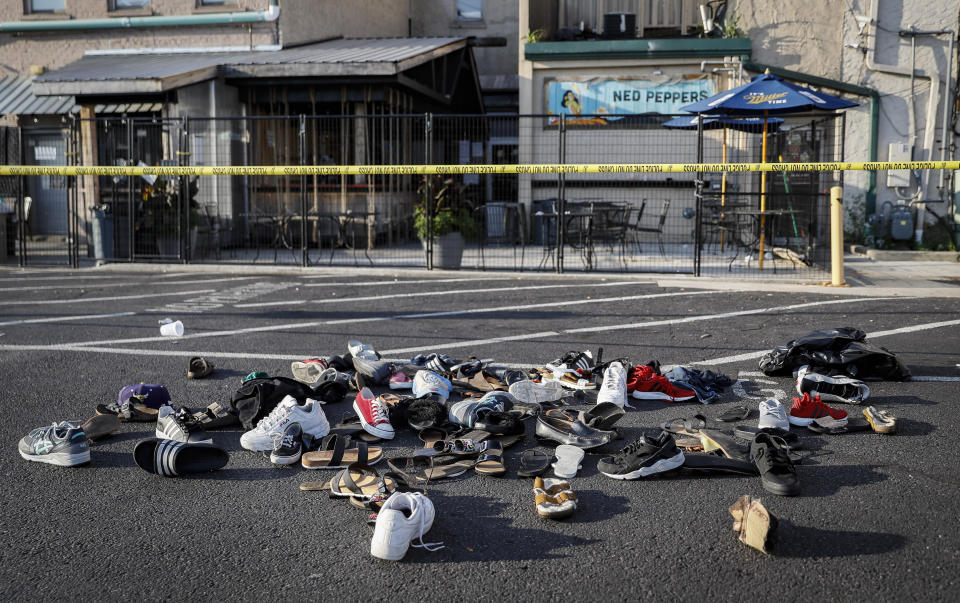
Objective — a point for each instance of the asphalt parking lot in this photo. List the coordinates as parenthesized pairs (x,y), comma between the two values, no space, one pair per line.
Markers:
(876,519)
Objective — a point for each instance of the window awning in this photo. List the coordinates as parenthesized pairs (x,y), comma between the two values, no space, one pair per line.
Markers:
(17,98)
(127,73)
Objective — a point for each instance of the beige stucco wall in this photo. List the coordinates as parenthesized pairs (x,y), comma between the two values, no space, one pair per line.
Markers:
(303,21)
(439,18)
(802,36)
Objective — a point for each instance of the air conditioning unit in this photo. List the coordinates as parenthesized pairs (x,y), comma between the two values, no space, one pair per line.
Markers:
(619,25)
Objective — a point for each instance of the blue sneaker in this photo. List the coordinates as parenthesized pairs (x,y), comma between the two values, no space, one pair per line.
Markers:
(63,444)
(469,412)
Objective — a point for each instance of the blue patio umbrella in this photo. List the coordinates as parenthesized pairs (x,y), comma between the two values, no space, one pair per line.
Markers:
(767,95)
(764,95)
(741,124)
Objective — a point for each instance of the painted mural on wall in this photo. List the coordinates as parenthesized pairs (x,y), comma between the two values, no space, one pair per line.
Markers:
(597,101)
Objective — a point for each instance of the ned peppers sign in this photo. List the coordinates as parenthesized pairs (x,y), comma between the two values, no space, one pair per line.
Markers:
(592,101)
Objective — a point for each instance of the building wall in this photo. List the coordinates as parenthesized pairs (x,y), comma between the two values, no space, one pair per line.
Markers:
(825,38)
(55,49)
(439,18)
(304,21)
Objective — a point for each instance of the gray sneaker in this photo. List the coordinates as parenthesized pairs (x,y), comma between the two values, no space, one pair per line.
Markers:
(376,372)
(63,444)
(535,393)
(773,414)
(180,425)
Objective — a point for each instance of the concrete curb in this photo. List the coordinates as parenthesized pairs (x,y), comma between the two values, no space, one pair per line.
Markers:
(891,255)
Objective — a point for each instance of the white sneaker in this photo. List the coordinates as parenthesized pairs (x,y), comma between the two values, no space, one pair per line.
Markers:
(405,516)
(532,392)
(614,386)
(310,416)
(362,350)
(773,414)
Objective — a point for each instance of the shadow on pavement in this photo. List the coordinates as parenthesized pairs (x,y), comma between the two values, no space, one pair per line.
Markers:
(800,542)
(909,427)
(885,401)
(824,480)
(494,533)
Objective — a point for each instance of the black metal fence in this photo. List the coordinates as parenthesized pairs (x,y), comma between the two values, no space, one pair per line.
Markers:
(636,222)
(30,205)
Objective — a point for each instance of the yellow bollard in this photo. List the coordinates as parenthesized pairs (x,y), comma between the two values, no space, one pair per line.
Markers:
(836,236)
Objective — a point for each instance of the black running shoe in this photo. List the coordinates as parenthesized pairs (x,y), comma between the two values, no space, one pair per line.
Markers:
(771,455)
(644,457)
(287,446)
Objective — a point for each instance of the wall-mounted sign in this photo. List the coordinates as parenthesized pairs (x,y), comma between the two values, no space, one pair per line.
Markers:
(595,98)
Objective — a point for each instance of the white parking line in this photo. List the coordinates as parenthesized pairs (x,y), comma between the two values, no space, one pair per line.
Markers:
(636,325)
(396,282)
(910,329)
(123,284)
(64,318)
(57,278)
(145,352)
(100,299)
(342,300)
(303,325)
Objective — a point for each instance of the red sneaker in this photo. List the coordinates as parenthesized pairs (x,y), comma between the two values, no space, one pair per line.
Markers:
(806,409)
(373,414)
(644,384)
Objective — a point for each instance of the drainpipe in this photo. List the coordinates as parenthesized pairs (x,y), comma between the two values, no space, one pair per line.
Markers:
(930,125)
(268,15)
(873,95)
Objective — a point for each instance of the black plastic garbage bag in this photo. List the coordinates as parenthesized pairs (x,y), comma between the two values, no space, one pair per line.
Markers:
(840,351)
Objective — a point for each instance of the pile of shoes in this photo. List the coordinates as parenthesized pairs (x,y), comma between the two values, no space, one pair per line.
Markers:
(468,414)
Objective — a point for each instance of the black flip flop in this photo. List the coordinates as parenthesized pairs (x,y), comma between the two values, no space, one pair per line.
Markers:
(534,463)
(749,432)
(713,462)
(737,413)
(604,415)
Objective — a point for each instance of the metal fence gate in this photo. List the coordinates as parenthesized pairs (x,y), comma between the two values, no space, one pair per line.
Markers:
(612,222)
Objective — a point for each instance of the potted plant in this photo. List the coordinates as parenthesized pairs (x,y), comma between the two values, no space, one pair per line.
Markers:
(450,217)
(158,215)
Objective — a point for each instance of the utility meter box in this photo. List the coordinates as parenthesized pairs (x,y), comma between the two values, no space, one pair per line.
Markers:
(901,223)
(898,151)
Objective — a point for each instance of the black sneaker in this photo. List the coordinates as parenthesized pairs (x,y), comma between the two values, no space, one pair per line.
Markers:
(63,444)
(287,446)
(644,457)
(771,455)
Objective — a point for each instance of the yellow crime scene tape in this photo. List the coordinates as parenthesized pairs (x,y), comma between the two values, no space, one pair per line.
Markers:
(373,170)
